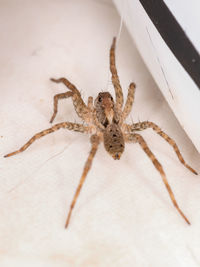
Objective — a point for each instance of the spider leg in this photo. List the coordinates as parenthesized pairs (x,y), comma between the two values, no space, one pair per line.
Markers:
(96,121)
(55,102)
(115,78)
(147,124)
(66,125)
(129,101)
(139,139)
(67,83)
(79,105)
(95,142)
(90,103)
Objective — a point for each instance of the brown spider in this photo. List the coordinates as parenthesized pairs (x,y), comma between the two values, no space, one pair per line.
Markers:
(105,122)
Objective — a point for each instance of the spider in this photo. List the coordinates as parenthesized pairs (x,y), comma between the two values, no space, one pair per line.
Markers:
(105,122)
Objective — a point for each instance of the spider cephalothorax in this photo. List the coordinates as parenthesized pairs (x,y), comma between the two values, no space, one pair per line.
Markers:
(105,109)
(107,116)
(105,122)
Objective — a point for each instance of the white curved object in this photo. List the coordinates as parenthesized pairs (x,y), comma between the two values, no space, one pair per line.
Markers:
(176,84)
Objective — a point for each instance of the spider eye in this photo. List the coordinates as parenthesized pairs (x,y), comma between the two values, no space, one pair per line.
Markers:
(111,98)
(100,99)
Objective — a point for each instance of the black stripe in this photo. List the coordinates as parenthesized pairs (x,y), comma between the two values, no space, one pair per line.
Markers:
(174,37)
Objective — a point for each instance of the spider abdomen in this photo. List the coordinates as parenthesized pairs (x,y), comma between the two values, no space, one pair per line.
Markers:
(114,140)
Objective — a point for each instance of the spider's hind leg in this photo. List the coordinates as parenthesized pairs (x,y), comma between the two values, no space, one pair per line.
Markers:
(136,138)
(95,142)
(148,124)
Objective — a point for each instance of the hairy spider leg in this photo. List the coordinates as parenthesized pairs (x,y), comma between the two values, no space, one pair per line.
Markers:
(55,103)
(66,125)
(95,142)
(115,78)
(129,101)
(136,138)
(81,109)
(90,103)
(147,124)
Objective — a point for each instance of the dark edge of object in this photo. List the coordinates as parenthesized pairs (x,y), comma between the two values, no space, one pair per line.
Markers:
(174,37)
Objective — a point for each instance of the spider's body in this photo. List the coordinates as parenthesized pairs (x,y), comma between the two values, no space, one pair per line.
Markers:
(110,130)
(105,122)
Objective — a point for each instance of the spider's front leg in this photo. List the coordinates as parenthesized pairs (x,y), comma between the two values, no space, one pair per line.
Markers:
(55,103)
(148,124)
(95,142)
(136,138)
(65,125)
(81,109)
(129,101)
(115,78)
